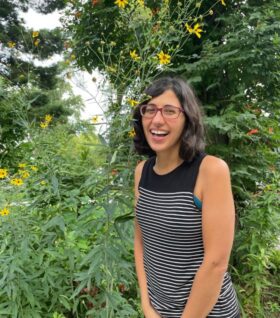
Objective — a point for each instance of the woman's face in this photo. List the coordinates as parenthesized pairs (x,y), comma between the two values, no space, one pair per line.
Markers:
(164,135)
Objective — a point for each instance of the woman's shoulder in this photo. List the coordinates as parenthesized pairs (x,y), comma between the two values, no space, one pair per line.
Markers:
(139,168)
(212,166)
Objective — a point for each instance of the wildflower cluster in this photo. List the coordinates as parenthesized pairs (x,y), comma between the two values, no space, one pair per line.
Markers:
(45,123)
(18,178)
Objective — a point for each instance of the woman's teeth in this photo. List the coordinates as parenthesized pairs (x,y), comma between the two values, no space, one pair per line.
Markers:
(159,132)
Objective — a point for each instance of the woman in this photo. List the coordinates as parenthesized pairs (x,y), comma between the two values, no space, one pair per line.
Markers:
(184,225)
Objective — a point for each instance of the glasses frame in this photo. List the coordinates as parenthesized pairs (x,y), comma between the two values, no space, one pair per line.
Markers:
(160,110)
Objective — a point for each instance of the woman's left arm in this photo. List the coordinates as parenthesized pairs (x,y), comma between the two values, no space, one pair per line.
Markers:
(218,218)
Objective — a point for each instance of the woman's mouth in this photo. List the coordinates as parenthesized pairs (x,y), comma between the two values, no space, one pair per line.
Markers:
(159,133)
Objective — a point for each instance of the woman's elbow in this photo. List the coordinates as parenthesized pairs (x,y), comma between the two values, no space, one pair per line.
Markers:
(217,265)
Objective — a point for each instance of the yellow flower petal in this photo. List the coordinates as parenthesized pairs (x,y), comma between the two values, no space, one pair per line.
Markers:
(132,133)
(134,55)
(36,42)
(132,102)
(121,3)
(48,118)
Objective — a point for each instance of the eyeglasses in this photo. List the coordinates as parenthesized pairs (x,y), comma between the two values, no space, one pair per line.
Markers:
(167,111)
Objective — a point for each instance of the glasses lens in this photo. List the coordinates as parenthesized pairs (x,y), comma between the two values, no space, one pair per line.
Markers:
(148,111)
(170,111)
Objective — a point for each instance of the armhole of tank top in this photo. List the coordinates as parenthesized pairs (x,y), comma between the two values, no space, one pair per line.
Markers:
(196,200)
(144,169)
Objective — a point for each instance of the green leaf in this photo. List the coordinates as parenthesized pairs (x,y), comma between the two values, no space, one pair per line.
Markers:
(57,221)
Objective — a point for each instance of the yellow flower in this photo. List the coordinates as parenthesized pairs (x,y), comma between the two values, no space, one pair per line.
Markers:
(5,211)
(43,182)
(22,165)
(3,173)
(35,34)
(43,125)
(223,2)
(36,42)
(72,57)
(11,44)
(141,2)
(132,102)
(195,30)
(134,55)
(24,174)
(163,58)
(17,182)
(34,168)
(121,3)
(48,118)
(95,119)
(132,133)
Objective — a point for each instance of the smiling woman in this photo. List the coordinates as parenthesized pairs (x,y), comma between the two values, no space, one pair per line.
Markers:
(184,223)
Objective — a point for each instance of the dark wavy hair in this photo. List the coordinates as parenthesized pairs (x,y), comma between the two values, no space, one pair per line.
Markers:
(192,140)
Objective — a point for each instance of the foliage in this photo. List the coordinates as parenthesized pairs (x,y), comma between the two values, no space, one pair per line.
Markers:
(25,106)
(71,259)
(24,79)
(234,67)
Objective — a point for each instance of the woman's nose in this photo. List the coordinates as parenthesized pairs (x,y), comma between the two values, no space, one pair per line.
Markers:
(158,117)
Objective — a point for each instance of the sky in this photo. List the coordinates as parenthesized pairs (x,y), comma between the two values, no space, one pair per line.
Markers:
(81,82)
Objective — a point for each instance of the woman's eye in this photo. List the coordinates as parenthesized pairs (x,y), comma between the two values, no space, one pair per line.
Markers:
(169,111)
(150,110)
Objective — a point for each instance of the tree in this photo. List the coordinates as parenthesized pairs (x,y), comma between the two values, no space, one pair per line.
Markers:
(38,90)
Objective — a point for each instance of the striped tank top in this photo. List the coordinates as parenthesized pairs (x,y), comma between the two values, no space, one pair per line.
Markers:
(171,227)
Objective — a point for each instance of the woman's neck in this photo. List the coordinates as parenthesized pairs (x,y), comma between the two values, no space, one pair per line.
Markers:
(166,163)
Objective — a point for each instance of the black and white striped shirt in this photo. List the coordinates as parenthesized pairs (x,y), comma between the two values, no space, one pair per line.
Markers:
(171,228)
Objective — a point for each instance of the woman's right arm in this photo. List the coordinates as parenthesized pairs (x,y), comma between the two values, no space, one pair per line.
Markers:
(148,310)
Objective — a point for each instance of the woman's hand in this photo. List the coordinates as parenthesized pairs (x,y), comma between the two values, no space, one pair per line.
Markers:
(150,312)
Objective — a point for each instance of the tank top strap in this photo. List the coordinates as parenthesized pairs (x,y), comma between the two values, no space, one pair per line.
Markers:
(195,165)
(148,165)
